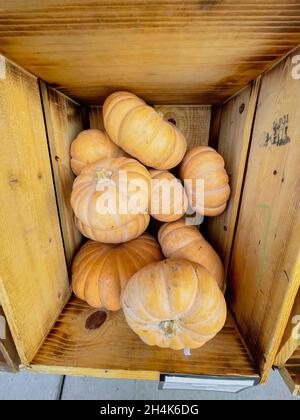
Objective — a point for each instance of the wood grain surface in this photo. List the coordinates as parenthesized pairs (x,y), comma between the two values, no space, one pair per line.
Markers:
(64,119)
(233,144)
(290,343)
(291,373)
(114,350)
(264,275)
(179,52)
(34,284)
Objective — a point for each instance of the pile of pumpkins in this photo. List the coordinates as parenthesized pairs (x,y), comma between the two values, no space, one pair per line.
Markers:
(171,290)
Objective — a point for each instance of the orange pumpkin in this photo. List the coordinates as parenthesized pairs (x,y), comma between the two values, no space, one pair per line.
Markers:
(110,200)
(101,271)
(181,241)
(204,163)
(174,304)
(168,197)
(90,146)
(142,132)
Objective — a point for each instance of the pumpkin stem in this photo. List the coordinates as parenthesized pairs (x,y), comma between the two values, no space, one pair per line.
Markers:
(169,328)
(103,174)
(160,113)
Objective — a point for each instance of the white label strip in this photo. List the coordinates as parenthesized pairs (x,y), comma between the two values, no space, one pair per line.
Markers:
(207,384)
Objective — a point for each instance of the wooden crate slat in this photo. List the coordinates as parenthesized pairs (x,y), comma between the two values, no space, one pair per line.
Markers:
(34,283)
(182,52)
(264,272)
(64,120)
(290,343)
(294,361)
(187,52)
(289,380)
(114,350)
(215,124)
(233,144)
(192,120)
(96,117)
(9,359)
(291,372)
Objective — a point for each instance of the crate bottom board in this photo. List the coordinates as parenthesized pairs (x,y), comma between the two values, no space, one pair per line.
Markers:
(75,346)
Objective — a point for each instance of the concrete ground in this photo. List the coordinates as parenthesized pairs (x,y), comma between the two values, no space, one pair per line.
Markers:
(32,386)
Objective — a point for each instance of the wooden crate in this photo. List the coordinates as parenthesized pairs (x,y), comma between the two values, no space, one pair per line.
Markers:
(190,62)
(9,360)
(290,372)
(288,356)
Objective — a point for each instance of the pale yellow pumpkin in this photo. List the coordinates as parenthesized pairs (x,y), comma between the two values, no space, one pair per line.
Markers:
(92,145)
(174,304)
(110,200)
(181,241)
(101,271)
(168,198)
(142,132)
(204,163)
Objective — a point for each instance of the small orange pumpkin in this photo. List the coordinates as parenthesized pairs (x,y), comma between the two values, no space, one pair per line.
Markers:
(174,304)
(142,132)
(168,198)
(110,200)
(179,240)
(101,271)
(204,163)
(89,146)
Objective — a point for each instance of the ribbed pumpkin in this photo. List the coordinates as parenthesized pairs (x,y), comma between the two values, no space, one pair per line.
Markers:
(168,198)
(174,304)
(101,271)
(179,240)
(90,146)
(206,164)
(142,132)
(125,232)
(107,208)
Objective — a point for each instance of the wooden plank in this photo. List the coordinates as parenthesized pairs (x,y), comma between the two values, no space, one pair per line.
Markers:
(233,144)
(291,338)
(288,378)
(96,117)
(64,120)
(179,52)
(9,359)
(34,283)
(291,372)
(192,120)
(215,124)
(264,275)
(116,351)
